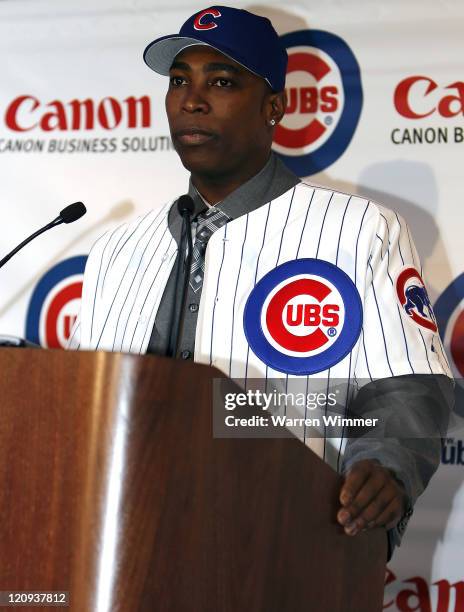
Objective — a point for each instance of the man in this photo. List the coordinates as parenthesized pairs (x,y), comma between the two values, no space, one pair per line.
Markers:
(261,233)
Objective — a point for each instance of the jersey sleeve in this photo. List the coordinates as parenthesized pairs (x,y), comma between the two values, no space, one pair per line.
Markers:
(399,334)
(85,327)
(401,368)
(112,266)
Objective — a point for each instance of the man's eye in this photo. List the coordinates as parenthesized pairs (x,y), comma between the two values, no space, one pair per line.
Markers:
(223,82)
(176,80)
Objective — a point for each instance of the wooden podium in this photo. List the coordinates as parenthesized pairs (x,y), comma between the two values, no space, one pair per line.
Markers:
(113,488)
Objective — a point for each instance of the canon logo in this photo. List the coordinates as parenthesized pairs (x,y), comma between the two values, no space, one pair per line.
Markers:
(414,98)
(26,113)
(417,592)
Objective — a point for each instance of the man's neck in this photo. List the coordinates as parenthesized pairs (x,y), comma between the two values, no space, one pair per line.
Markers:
(217,188)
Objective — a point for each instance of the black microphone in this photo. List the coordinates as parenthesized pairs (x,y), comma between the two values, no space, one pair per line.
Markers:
(71,213)
(185,206)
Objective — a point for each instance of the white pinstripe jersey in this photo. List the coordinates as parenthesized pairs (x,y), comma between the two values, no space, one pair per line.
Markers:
(128,269)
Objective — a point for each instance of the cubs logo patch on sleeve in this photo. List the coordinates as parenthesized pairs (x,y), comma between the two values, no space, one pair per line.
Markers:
(414,300)
(303,317)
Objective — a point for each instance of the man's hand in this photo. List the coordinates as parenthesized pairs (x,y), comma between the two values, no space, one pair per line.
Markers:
(371,496)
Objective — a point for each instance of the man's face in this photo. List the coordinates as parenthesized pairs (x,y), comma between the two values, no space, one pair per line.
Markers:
(218,112)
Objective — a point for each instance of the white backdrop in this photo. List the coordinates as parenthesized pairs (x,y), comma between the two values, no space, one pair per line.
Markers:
(405,151)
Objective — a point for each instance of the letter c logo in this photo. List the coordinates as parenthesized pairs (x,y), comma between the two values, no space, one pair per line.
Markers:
(198,25)
(401,97)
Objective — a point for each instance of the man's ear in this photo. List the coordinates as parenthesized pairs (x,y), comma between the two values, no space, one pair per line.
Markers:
(278,105)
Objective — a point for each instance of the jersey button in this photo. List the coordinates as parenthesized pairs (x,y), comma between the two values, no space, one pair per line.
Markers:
(186,354)
(193,307)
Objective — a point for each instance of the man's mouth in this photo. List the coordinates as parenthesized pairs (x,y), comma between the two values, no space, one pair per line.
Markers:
(193,136)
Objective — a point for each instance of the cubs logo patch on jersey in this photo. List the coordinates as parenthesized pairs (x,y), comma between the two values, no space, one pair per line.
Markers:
(303,317)
(414,300)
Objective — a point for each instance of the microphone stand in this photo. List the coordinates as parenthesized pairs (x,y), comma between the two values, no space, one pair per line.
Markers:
(68,215)
(53,223)
(71,213)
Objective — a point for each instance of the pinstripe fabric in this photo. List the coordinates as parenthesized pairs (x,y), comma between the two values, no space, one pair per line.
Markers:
(128,269)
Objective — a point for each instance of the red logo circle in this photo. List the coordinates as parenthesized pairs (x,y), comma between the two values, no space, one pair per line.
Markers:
(315,101)
(303,315)
(59,314)
(456,344)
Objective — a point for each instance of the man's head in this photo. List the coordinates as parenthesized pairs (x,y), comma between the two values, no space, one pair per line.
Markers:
(227,75)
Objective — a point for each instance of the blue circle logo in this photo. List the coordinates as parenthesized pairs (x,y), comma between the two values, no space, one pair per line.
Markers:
(55,303)
(449,313)
(303,317)
(324,101)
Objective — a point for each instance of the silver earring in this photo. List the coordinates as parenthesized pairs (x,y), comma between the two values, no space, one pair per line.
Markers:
(272,121)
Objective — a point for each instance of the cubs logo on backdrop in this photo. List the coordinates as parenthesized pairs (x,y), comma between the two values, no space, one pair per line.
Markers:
(325,98)
(303,317)
(55,303)
(449,311)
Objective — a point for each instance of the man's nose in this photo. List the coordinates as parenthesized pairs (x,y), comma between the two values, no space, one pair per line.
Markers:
(194,101)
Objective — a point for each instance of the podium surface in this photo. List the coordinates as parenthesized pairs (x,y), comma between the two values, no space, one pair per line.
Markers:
(114,489)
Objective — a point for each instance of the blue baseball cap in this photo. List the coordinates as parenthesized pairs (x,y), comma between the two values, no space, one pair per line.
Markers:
(248,39)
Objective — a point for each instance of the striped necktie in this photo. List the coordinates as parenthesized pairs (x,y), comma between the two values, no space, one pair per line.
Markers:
(208,222)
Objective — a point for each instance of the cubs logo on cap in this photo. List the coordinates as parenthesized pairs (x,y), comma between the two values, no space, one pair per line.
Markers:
(303,317)
(413,298)
(201,21)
